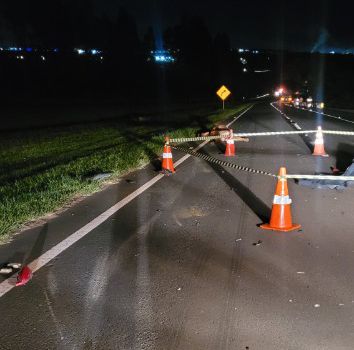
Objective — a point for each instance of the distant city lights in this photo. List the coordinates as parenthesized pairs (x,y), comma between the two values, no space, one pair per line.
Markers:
(262,71)
(93,52)
(163,56)
(80,51)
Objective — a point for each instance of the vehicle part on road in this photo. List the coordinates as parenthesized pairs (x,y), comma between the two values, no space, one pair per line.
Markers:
(230,145)
(24,276)
(6,270)
(220,130)
(167,162)
(281,219)
(9,268)
(319,144)
(101,176)
(340,184)
(15,266)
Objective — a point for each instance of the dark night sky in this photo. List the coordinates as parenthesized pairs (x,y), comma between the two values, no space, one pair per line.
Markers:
(266,24)
(297,24)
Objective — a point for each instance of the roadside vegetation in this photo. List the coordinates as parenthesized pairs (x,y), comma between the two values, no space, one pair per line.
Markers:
(45,169)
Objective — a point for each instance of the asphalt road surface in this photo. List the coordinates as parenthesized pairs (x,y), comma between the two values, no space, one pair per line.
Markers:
(178,267)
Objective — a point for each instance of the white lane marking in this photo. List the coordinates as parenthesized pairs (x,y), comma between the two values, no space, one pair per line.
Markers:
(41,261)
(297,126)
(327,115)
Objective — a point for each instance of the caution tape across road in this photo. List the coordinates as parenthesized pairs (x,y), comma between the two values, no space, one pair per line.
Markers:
(237,136)
(213,160)
(195,139)
(321,177)
(333,132)
(274,133)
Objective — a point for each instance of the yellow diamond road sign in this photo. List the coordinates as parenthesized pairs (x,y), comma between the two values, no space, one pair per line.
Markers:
(223,92)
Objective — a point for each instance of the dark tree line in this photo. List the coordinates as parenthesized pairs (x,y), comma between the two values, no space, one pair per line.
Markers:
(204,61)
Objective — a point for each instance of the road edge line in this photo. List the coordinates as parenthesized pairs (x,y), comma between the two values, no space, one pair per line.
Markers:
(8,284)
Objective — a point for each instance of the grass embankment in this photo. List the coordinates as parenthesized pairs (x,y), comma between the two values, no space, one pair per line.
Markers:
(45,169)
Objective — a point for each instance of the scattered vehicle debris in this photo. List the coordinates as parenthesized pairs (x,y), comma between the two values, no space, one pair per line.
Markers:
(100,176)
(129,181)
(327,184)
(9,268)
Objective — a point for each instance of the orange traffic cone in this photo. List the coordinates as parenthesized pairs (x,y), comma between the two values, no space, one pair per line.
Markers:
(319,144)
(230,145)
(167,162)
(24,276)
(280,219)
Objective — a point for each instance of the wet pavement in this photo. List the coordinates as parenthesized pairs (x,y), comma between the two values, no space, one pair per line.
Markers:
(185,265)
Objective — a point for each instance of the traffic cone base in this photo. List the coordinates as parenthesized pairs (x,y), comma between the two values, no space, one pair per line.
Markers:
(320,154)
(288,229)
(281,219)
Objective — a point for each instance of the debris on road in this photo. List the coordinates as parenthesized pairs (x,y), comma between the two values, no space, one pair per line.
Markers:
(100,177)
(238,239)
(130,181)
(24,276)
(9,268)
(258,243)
(333,185)
(5,270)
(317,305)
(15,265)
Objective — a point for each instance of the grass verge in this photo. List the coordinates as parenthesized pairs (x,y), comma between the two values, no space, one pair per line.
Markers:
(43,170)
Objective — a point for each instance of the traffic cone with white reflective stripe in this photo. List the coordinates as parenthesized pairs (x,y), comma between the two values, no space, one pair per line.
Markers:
(230,145)
(167,162)
(319,144)
(281,219)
